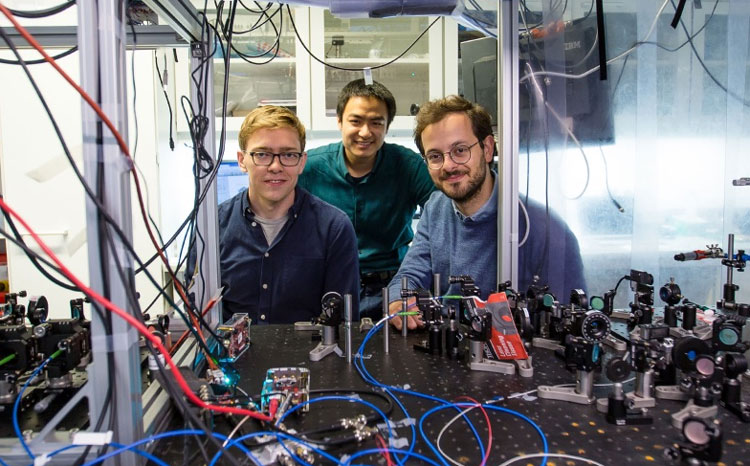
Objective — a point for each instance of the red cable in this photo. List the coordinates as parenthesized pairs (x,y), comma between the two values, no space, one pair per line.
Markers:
(123,147)
(156,341)
(384,447)
(489,427)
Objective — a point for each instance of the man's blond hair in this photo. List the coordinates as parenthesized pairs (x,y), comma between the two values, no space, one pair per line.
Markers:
(270,117)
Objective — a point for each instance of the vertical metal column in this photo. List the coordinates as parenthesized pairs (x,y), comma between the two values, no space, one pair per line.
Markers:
(507,129)
(101,42)
(206,221)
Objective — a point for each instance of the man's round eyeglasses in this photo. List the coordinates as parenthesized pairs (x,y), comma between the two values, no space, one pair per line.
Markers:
(264,159)
(460,155)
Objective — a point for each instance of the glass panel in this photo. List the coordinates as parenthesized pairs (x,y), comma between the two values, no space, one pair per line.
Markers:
(363,42)
(263,68)
(663,137)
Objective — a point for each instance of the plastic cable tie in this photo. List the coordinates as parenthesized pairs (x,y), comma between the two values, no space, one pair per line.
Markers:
(398,442)
(41,460)
(408,421)
(368,76)
(406,386)
(92,438)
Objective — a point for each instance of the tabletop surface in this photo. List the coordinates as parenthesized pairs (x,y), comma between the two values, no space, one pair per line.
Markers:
(569,428)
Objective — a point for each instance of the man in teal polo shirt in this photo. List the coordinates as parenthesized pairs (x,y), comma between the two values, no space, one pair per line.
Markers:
(378,185)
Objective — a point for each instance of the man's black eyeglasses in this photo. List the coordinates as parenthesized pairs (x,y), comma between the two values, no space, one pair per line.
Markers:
(264,159)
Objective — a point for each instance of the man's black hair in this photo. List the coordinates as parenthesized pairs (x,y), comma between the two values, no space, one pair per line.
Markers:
(358,88)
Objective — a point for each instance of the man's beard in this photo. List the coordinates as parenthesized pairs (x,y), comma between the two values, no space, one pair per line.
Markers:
(471,190)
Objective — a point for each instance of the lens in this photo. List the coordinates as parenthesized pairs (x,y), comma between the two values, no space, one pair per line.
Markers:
(728,336)
(595,326)
(705,365)
(597,303)
(694,431)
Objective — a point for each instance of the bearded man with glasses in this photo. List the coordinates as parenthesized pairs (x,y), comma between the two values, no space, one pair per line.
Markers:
(281,248)
(457,234)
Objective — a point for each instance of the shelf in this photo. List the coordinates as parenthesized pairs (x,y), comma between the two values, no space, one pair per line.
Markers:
(239,61)
(379,61)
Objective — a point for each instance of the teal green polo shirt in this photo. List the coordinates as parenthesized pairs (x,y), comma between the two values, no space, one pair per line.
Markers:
(380,205)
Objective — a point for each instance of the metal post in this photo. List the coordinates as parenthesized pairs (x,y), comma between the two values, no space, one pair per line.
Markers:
(730,256)
(101,35)
(206,221)
(507,132)
(404,306)
(436,285)
(348,327)
(386,324)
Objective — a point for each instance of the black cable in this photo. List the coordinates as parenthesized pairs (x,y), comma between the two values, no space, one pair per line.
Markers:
(43,13)
(40,60)
(606,181)
(166,97)
(732,94)
(250,10)
(624,277)
(601,40)
(323,62)
(678,13)
(664,47)
(107,404)
(93,197)
(178,397)
(129,288)
(35,258)
(275,47)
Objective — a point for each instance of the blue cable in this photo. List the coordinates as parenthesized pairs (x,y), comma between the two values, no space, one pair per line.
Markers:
(341,398)
(335,398)
(492,407)
(3,463)
(174,433)
(389,450)
(238,441)
(521,416)
(372,380)
(16,427)
(60,450)
(144,454)
(297,458)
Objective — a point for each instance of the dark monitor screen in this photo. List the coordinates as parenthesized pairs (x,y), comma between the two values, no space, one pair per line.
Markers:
(586,105)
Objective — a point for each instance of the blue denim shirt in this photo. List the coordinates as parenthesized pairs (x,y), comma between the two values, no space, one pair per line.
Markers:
(315,252)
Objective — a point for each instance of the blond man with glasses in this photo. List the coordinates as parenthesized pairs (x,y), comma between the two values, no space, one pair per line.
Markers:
(281,248)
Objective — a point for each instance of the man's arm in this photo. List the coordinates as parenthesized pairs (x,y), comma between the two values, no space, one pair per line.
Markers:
(416,268)
(342,262)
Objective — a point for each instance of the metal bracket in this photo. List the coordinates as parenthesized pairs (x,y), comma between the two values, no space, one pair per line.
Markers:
(582,393)
(546,343)
(692,410)
(671,392)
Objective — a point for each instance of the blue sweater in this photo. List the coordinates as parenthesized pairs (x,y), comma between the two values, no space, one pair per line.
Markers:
(449,243)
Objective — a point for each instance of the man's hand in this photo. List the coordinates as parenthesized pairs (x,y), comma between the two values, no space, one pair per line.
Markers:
(412,322)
